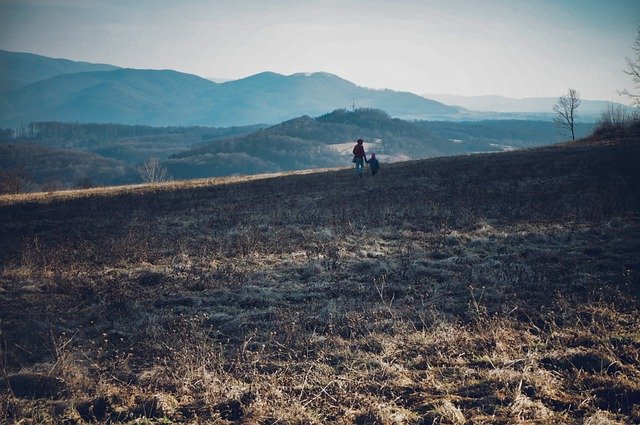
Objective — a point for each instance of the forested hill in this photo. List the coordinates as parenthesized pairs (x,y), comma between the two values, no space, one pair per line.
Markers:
(307,142)
(300,143)
(326,141)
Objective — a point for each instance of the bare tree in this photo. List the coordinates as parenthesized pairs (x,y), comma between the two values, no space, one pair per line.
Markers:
(614,116)
(565,109)
(633,70)
(152,171)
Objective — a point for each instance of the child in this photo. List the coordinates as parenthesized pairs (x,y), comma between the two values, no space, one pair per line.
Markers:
(373,164)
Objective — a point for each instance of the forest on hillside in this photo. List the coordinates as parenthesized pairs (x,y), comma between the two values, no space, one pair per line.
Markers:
(56,155)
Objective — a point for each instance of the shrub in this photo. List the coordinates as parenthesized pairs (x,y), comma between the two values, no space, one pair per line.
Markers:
(616,120)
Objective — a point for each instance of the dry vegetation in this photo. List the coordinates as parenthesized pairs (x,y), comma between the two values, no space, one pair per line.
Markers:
(498,288)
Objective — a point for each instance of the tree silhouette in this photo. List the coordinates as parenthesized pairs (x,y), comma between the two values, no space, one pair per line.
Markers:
(633,70)
(152,171)
(565,109)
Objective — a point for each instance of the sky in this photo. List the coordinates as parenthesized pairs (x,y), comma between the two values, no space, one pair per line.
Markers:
(511,48)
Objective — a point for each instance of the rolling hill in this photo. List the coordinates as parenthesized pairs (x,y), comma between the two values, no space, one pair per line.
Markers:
(55,155)
(307,142)
(498,288)
(47,168)
(300,143)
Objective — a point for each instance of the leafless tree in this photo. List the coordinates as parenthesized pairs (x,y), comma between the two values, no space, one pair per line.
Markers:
(565,109)
(614,116)
(633,70)
(152,171)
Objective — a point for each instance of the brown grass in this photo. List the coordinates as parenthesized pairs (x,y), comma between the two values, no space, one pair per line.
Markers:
(481,289)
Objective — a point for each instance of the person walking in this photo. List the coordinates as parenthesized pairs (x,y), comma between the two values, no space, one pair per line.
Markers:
(359,157)
(374,164)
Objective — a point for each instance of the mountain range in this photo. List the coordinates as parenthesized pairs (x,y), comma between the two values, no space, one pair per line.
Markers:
(36,88)
(20,69)
(57,90)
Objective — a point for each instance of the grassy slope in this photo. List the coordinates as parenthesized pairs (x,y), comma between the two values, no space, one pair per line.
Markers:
(498,288)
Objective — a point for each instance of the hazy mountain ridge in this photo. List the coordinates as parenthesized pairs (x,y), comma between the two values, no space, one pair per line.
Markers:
(126,96)
(166,97)
(20,69)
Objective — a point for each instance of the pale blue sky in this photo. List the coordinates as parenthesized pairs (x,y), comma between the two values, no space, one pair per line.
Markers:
(513,48)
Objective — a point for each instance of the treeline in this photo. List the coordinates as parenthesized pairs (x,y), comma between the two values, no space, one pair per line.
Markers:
(518,133)
(373,119)
(54,130)
(26,167)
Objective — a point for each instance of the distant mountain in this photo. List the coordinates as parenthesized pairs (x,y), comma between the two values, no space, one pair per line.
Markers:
(317,93)
(165,97)
(19,69)
(125,96)
(509,105)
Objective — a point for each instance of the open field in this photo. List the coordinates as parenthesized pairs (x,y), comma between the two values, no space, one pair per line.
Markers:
(496,288)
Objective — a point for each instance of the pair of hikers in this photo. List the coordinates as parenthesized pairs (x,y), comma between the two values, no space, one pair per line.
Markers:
(360,157)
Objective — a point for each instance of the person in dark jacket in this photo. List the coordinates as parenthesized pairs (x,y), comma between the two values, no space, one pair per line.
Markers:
(374,164)
(359,157)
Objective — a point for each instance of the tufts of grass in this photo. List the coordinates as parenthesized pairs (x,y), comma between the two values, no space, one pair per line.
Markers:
(484,289)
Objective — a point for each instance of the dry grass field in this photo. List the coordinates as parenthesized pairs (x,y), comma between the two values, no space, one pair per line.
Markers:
(496,288)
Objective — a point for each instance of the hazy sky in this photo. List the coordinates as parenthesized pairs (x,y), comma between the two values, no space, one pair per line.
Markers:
(513,48)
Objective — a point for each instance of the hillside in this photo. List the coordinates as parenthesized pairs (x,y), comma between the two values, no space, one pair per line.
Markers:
(55,155)
(493,288)
(301,143)
(503,134)
(47,168)
(327,141)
